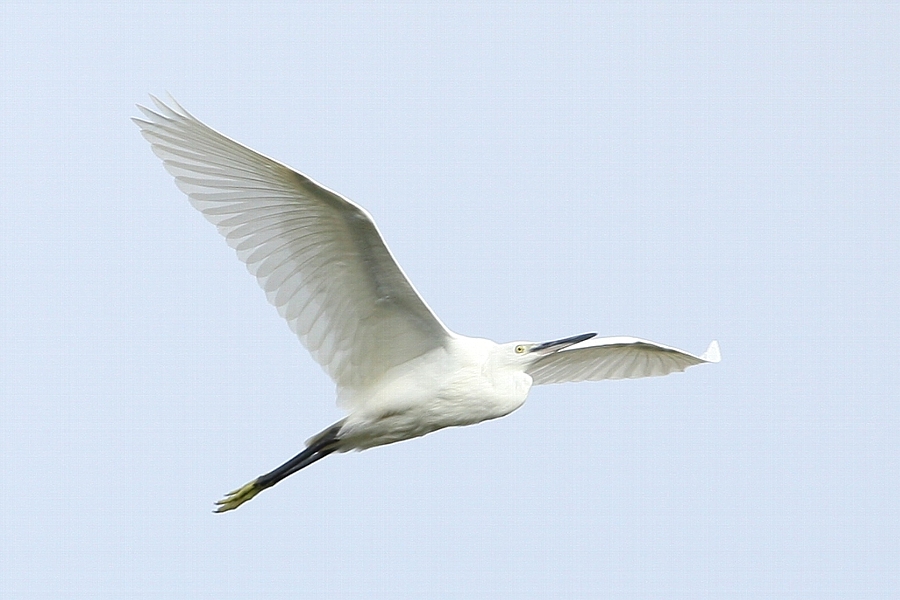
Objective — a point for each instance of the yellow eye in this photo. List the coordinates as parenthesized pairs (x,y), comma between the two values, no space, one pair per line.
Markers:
(520,349)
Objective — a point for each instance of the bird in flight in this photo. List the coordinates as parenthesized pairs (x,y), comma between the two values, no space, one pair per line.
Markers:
(399,372)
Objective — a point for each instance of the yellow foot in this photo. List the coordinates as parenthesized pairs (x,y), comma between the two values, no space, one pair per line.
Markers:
(234,499)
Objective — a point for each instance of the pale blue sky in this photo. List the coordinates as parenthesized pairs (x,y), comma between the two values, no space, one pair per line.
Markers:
(675,171)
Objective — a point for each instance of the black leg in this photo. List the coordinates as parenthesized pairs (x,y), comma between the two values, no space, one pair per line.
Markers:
(321,446)
(304,459)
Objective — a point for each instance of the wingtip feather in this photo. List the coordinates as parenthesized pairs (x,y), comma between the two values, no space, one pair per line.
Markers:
(712,353)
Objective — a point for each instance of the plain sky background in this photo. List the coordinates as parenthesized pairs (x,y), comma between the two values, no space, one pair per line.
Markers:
(680,172)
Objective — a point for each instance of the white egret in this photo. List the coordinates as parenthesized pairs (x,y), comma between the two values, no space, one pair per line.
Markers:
(399,372)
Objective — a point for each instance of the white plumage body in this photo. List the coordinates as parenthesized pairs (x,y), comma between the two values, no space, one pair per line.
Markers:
(462,384)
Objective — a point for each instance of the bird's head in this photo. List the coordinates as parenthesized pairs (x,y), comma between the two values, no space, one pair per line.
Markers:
(526,353)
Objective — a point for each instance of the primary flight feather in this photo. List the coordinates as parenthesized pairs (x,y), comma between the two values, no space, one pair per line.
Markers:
(400,373)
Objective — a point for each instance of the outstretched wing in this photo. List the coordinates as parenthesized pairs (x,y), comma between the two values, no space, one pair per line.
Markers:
(317,255)
(615,358)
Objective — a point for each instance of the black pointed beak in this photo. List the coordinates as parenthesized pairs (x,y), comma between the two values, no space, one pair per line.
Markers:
(556,345)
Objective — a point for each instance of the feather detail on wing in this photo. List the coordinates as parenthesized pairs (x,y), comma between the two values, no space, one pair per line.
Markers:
(317,255)
(615,358)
